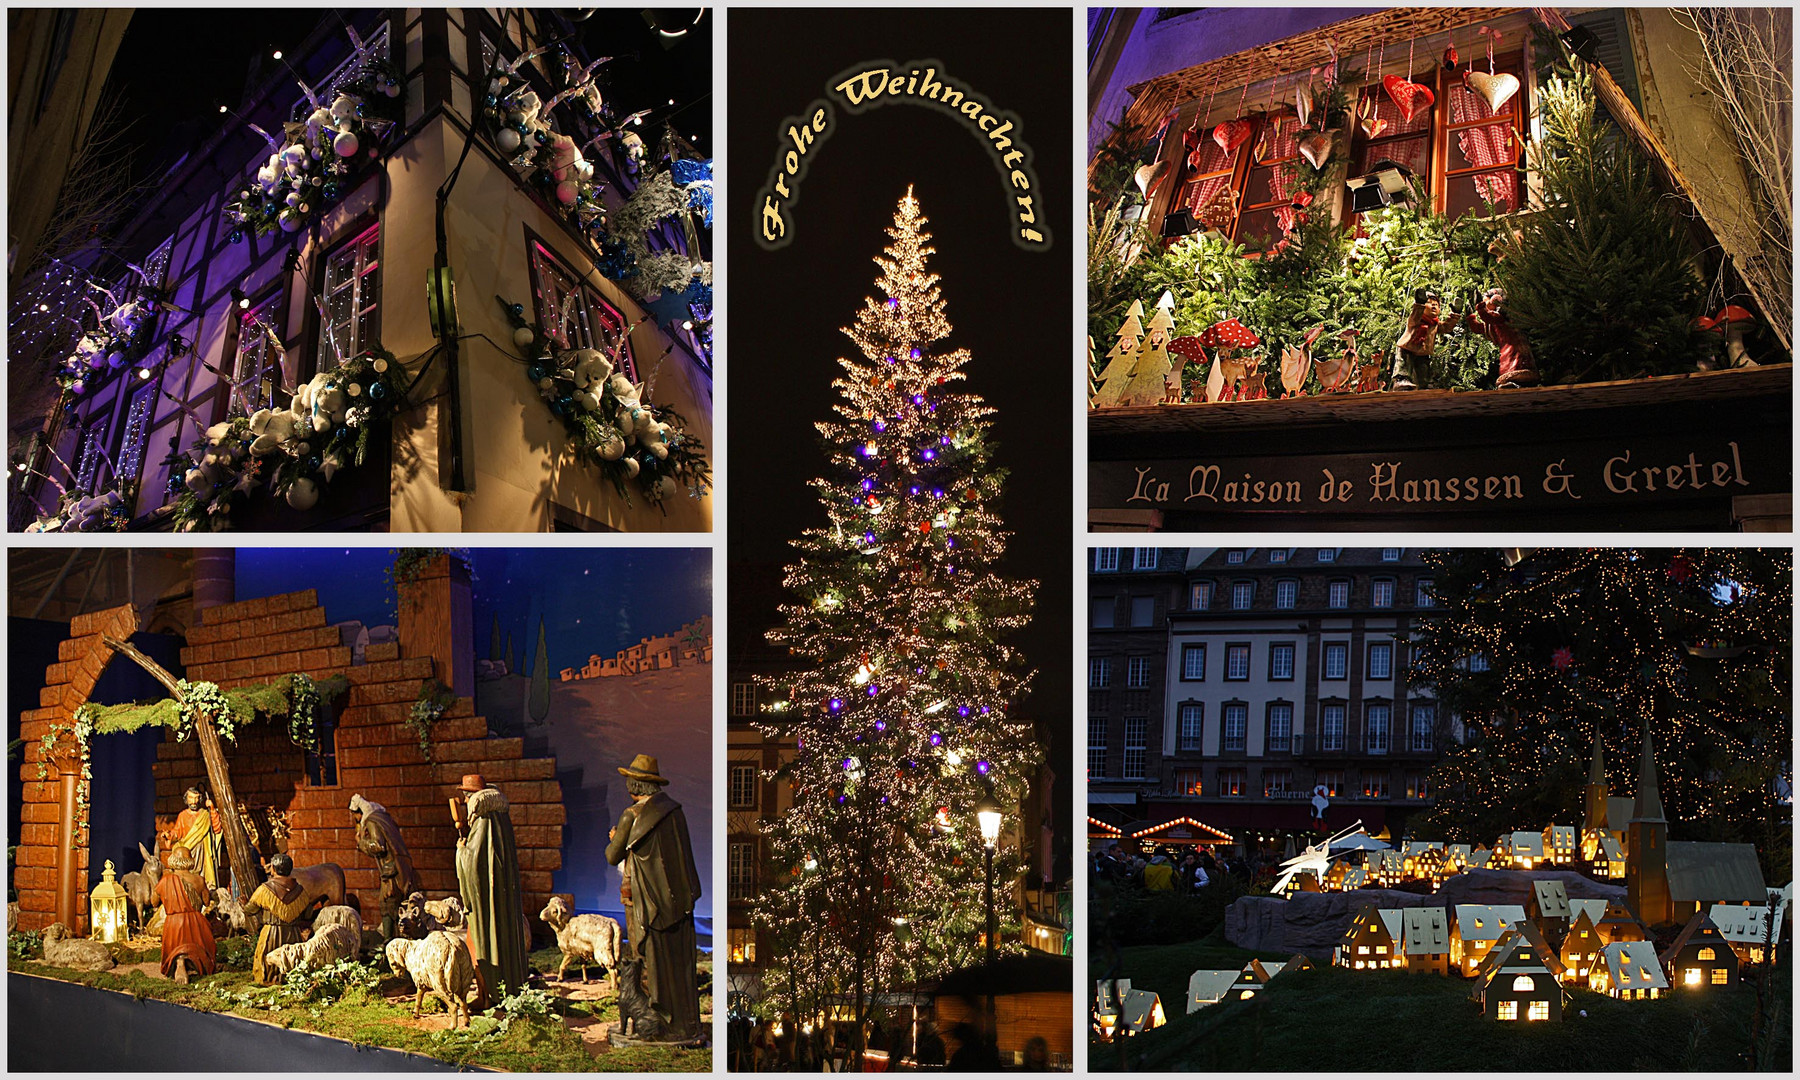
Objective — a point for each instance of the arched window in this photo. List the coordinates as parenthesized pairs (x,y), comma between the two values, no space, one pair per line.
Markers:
(1707,954)
(1524,985)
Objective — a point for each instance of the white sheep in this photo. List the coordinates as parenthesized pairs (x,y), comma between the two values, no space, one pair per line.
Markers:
(448,911)
(584,940)
(337,915)
(62,949)
(336,942)
(438,964)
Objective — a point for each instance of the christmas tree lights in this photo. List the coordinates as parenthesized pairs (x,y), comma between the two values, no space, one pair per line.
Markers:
(1537,657)
(902,709)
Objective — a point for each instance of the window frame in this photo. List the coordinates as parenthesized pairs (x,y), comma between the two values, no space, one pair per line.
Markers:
(1190,650)
(1144,558)
(1385,672)
(1137,673)
(1200,596)
(1099,672)
(1423,597)
(1286,743)
(741,870)
(361,238)
(1106,560)
(1287,594)
(1330,740)
(1332,592)
(1413,712)
(1233,651)
(1243,595)
(1140,747)
(1386,727)
(1276,648)
(743,698)
(1230,712)
(1381,592)
(1149,608)
(741,773)
(1187,711)
(1327,650)
(594,308)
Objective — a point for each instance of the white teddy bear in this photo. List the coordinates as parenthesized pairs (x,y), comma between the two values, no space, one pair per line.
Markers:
(272,429)
(590,370)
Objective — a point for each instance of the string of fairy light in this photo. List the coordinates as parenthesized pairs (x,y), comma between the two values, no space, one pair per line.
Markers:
(1692,643)
(902,712)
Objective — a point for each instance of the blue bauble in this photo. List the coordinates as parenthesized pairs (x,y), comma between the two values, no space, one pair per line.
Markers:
(491,100)
(340,433)
(313,463)
(377,391)
(237,236)
(537,373)
(518,311)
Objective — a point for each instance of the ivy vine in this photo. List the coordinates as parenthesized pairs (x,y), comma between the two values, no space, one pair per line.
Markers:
(434,700)
(194,698)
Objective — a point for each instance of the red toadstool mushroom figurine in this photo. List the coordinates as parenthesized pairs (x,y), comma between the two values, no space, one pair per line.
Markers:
(1226,336)
(1187,346)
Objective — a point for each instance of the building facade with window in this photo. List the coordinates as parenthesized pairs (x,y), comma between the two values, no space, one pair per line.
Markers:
(248,319)
(1131,594)
(1284,671)
(1163,81)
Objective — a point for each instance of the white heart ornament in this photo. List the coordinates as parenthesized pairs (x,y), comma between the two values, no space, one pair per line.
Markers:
(1496,90)
(1315,147)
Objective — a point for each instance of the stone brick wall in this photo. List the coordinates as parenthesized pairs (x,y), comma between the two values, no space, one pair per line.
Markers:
(377,755)
(67,683)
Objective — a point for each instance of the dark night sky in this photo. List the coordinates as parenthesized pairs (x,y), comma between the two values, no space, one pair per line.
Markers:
(172,97)
(1010,308)
(591,600)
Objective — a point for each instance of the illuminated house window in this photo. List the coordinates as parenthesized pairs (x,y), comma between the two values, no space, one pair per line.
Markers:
(1524,985)
(573,313)
(137,430)
(258,369)
(1721,977)
(1694,976)
(743,945)
(1539,1010)
(352,300)
(1507,1010)
(1188,782)
(1200,598)
(1706,954)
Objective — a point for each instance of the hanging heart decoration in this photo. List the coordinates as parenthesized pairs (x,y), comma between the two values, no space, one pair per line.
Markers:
(1232,134)
(1315,147)
(1303,104)
(1450,56)
(1190,144)
(1496,90)
(1409,97)
(1373,126)
(1149,178)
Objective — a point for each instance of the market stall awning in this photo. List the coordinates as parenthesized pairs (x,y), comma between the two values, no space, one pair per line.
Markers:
(1182,830)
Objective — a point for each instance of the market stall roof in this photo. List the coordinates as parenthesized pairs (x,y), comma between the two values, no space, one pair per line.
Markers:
(1172,832)
(1098,828)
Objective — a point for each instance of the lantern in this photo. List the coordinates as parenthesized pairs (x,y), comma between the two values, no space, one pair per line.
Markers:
(106,908)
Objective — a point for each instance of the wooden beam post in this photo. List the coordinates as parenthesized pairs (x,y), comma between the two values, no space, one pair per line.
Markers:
(244,865)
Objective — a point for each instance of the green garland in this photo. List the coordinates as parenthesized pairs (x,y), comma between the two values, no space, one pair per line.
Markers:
(597,431)
(197,697)
(284,448)
(434,700)
(82,732)
(296,699)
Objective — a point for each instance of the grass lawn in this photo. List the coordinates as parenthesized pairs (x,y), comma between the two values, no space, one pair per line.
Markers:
(365,1018)
(1329,1018)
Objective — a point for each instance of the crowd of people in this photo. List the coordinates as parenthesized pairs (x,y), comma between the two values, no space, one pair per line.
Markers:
(1167,869)
(784,1046)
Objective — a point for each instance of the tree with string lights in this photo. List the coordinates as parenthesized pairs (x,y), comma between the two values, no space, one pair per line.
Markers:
(1539,656)
(902,709)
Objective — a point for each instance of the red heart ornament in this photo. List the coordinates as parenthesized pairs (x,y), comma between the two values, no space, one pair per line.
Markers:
(1408,97)
(1231,134)
(1373,126)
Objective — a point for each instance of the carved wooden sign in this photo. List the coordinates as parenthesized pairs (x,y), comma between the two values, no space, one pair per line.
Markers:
(1574,476)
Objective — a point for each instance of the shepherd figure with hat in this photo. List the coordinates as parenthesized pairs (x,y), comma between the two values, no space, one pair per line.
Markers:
(487,872)
(662,885)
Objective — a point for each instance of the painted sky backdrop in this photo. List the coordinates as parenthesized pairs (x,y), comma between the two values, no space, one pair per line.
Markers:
(592,600)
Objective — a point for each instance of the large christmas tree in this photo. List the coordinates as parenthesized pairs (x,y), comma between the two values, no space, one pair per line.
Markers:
(902,707)
(1537,657)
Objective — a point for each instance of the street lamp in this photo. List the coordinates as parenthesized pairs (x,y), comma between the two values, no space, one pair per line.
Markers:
(988,813)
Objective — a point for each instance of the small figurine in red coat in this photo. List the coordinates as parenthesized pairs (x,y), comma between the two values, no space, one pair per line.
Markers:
(1517,366)
(1412,353)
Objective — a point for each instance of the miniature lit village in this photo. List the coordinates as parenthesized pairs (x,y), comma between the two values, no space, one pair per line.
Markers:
(1707,902)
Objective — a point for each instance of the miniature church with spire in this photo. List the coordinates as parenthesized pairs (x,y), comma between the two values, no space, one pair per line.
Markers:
(1666,882)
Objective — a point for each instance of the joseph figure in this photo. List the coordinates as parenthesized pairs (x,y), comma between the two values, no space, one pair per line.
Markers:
(378,837)
(197,829)
(487,873)
(651,839)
